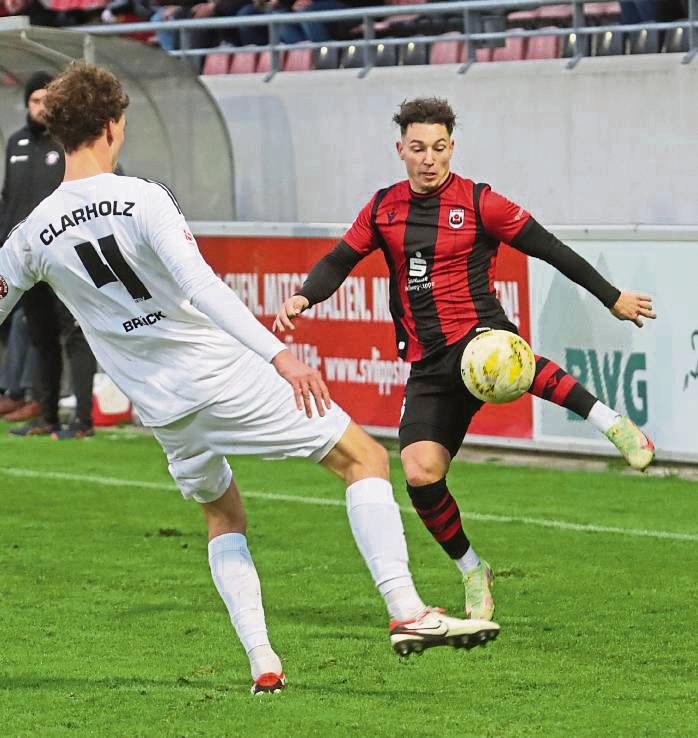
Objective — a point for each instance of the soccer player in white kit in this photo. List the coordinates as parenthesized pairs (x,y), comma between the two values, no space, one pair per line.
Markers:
(201,371)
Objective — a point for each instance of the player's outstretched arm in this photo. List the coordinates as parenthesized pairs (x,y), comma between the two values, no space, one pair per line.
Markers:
(306,383)
(324,280)
(633,306)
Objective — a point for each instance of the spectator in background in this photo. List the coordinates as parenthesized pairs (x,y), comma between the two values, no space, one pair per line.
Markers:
(638,11)
(37,13)
(292,33)
(35,165)
(18,368)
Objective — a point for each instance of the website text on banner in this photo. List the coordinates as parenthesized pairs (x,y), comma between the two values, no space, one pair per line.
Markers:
(350,337)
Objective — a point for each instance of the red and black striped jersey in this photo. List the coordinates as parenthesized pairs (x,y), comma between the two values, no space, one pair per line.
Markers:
(441,251)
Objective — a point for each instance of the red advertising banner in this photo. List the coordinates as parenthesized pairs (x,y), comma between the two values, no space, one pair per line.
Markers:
(350,337)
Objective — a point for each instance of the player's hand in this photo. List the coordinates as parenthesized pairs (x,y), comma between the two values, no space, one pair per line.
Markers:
(306,383)
(290,310)
(633,306)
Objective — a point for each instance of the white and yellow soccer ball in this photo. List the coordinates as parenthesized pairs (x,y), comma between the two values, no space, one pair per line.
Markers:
(498,366)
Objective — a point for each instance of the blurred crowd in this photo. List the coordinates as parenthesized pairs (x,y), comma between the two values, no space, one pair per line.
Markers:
(60,13)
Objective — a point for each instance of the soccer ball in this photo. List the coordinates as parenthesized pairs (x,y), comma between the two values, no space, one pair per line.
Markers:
(498,366)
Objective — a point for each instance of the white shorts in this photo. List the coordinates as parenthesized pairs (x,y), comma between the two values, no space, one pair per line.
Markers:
(258,417)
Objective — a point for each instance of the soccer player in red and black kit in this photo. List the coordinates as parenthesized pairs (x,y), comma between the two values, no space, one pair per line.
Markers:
(439,234)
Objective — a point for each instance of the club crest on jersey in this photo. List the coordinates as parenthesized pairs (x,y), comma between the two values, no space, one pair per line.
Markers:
(52,158)
(4,289)
(456,217)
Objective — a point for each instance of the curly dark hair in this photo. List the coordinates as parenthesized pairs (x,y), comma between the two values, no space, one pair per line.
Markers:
(80,102)
(425,110)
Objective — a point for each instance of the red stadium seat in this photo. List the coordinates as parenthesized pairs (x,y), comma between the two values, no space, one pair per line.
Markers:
(244,62)
(264,63)
(299,60)
(543,47)
(527,17)
(481,55)
(513,50)
(555,12)
(601,11)
(446,52)
(217,64)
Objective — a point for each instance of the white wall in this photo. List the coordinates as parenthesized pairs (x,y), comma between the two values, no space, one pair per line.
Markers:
(613,141)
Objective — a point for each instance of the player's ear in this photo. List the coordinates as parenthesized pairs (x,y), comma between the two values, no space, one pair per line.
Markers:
(110,135)
(400,148)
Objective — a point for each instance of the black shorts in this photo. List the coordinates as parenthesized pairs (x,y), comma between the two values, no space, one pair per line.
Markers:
(437,406)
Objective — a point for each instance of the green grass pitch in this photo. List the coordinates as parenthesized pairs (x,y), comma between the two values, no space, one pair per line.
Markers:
(111,625)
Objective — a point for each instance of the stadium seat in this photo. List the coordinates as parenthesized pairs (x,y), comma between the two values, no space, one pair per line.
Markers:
(555,13)
(386,55)
(610,43)
(414,53)
(523,17)
(601,13)
(353,57)
(644,42)
(244,62)
(676,41)
(513,50)
(298,60)
(543,47)
(481,55)
(446,52)
(217,64)
(327,57)
(264,63)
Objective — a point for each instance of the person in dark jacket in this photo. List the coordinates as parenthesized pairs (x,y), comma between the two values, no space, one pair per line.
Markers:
(35,165)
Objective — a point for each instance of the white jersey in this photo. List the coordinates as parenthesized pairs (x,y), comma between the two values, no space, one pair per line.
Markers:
(118,252)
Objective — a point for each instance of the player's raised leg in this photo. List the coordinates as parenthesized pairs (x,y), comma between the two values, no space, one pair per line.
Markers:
(236,580)
(426,464)
(377,527)
(554,384)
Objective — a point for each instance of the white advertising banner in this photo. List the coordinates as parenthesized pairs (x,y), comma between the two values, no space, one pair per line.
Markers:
(649,373)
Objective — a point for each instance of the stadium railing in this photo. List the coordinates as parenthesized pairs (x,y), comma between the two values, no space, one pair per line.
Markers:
(483,26)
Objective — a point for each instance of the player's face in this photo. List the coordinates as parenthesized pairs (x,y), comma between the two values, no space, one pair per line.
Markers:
(426,149)
(36,108)
(118,134)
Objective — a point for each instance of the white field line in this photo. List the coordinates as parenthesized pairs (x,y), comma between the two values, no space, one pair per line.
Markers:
(539,522)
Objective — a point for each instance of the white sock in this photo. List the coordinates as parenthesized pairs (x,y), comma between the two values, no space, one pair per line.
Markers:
(602,417)
(468,561)
(377,527)
(238,585)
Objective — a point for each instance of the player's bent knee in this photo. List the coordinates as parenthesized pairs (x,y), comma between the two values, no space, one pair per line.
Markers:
(358,456)
(423,468)
(203,480)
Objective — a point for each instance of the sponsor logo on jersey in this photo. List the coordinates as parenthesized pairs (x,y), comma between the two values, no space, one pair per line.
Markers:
(52,158)
(23,142)
(4,289)
(140,321)
(188,236)
(18,157)
(418,266)
(456,217)
(417,277)
(391,216)
(82,215)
